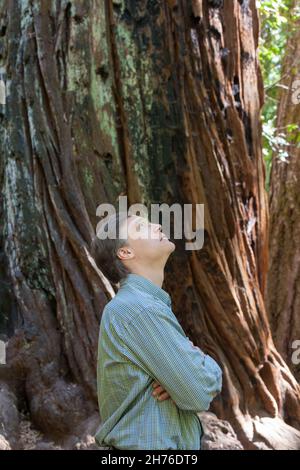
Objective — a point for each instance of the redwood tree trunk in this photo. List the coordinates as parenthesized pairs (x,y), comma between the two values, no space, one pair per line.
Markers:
(283,296)
(159,101)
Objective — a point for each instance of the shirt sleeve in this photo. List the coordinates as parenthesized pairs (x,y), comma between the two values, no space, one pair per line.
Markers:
(158,344)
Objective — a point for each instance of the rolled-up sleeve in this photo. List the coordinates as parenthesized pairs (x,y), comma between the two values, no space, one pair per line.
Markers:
(157,342)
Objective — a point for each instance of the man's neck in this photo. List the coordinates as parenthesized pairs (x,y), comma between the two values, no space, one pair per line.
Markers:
(156,276)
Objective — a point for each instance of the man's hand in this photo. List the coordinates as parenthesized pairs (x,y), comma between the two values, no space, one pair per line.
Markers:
(159,392)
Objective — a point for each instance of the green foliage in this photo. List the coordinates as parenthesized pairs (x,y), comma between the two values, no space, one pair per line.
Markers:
(276,20)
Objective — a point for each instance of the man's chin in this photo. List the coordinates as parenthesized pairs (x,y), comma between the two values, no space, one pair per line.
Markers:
(168,246)
(171,246)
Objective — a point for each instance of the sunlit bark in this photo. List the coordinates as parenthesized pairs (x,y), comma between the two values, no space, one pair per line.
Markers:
(283,296)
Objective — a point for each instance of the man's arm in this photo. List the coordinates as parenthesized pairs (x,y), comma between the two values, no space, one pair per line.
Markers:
(191,377)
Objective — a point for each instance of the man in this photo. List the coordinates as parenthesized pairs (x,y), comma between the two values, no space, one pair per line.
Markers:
(143,349)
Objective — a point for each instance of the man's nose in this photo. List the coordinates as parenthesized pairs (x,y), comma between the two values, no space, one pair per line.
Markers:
(156,228)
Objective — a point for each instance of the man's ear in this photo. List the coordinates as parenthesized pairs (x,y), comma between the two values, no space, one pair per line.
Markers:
(125,252)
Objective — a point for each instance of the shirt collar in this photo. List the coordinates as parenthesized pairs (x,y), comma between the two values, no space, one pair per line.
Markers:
(146,285)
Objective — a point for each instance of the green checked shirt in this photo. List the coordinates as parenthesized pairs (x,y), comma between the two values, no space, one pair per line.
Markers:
(140,340)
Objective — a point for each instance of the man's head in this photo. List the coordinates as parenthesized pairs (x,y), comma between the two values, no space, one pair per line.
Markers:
(132,244)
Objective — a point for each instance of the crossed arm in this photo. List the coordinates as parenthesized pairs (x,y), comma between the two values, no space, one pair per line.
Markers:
(159,345)
(159,392)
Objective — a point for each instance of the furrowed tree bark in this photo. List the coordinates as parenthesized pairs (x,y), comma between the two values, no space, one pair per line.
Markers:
(283,296)
(161,102)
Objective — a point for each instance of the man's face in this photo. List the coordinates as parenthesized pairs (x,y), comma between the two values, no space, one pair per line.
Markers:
(147,240)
